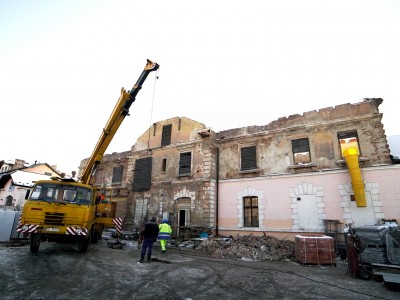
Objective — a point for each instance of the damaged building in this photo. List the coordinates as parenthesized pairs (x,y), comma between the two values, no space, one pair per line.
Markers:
(284,178)
(170,172)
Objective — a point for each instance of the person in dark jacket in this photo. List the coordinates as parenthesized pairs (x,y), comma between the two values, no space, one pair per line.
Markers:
(149,235)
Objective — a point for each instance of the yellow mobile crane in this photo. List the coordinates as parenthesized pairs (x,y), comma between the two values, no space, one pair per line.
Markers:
(64,209)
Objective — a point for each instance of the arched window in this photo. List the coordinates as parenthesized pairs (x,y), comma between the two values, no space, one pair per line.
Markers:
(9,200)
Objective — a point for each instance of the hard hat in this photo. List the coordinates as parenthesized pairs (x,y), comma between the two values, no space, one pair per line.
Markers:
(164,220)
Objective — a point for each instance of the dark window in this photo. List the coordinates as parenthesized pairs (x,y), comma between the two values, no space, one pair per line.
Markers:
(301,151)
(248,158)
(185,163)
(250,211)
(117,174)
(166,135)
(142,175)
(164,165)
(9,200)
(348,140)
(99,176)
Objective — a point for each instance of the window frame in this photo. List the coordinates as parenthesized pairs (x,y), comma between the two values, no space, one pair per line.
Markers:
(166,135)
(248,158)
(347,135)
(251,208)
(297,146)
(142,174)
(185,163)
(118,172)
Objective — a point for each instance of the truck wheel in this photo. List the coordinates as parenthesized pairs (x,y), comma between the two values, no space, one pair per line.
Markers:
(34,242)
(84,243)
(95,237)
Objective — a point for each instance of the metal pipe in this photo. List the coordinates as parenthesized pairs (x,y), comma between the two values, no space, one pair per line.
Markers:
(216,193)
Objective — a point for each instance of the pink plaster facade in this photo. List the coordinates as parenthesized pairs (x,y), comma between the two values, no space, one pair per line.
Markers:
(293,204)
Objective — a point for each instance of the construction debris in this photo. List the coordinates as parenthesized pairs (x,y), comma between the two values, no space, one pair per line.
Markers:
(248,247)
(191,232)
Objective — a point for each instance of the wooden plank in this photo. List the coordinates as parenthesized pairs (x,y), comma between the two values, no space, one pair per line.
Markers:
(386,266)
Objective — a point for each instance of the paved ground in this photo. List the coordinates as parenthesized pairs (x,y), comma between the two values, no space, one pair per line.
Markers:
(60,272)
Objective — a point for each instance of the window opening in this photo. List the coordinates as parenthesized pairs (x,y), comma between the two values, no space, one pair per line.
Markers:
(164,165)
(301,151)
(182,217)
(9,200)
(185,163)
(117,174)
(248,158)
(349,140)
(99,177)
(154,129)
(250,211)
(166,135)
(142,174)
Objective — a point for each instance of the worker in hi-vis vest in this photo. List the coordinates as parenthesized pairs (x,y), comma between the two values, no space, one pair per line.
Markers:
(164,234)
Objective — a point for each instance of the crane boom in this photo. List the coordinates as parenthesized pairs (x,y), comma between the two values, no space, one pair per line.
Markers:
(121,110)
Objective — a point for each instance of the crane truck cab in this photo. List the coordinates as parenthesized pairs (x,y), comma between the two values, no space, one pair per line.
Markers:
(61,211)
(64,209)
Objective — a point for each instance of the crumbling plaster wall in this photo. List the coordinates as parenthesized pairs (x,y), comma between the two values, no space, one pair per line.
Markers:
(106,170)
(168,187)
(162,199)
(183,130)
(274,148)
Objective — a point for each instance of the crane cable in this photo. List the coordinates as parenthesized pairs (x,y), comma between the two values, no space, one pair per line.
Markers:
(151,112)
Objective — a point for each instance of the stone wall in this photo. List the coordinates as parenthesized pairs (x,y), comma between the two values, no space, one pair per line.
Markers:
(273,141)
(171,194)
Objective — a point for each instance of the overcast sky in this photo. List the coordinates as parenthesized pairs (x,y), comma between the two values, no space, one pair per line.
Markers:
(226,64)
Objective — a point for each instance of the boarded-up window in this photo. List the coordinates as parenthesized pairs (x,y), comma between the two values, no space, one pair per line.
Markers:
(185,163)
(250,211)
(301,151)
(166,135)
(248,158)
(117,174)
(348,140)
(142,175)
(141,212)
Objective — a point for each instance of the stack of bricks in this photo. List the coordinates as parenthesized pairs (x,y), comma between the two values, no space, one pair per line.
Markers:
(315,249)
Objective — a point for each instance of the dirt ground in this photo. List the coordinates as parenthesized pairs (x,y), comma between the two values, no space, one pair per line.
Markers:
(58,271)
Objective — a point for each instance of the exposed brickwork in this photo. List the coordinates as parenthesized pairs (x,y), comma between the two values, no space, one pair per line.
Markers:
(193,197)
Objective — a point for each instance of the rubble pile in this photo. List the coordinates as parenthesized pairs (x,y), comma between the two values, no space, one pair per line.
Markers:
(190,232)
(249,247)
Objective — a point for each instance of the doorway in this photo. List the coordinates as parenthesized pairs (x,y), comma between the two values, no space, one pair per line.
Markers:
(308,213)
(183,217)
